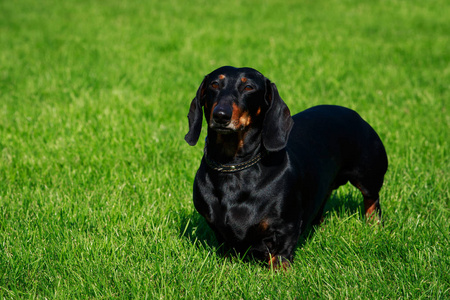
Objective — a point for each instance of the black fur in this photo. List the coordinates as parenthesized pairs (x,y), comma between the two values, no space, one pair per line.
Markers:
(296,162)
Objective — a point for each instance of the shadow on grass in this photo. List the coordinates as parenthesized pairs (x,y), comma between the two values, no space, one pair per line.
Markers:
(194,227)
(342,206)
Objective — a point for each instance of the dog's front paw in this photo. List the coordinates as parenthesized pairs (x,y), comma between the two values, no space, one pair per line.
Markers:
(278,262)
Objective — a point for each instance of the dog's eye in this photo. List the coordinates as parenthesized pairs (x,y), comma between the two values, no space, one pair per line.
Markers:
(248,88)
(215,85)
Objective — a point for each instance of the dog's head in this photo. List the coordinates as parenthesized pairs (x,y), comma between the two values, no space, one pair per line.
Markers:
(236,99)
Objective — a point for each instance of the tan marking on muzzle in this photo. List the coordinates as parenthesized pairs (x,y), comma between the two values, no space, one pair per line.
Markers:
(211,112)
(239,119)
(245,119)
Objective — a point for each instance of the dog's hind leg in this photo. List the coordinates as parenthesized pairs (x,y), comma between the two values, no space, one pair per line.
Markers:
(368,176)
(370,188)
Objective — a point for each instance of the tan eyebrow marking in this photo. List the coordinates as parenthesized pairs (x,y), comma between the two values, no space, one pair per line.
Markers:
(221,76)
(244,79)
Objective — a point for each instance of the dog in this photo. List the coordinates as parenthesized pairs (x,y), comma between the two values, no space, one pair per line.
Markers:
(265,175)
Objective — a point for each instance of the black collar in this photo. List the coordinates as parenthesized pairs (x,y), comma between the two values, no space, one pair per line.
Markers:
(229,168)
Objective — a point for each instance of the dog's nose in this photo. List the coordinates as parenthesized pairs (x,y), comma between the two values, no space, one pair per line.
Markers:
(222,114)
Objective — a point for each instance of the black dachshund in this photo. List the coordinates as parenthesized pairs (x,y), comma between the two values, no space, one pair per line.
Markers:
(265,176)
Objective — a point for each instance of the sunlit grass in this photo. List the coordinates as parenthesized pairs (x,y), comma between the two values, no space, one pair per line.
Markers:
(96,179)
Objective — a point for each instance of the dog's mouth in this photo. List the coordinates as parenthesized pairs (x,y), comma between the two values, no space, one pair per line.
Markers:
(223,128)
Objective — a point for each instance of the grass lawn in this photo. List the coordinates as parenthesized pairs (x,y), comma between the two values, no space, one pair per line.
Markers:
(96,179)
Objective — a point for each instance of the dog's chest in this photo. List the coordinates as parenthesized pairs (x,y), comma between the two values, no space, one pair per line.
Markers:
(239,215)
(243,207)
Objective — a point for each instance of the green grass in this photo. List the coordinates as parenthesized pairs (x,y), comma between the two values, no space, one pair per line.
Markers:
(96,179)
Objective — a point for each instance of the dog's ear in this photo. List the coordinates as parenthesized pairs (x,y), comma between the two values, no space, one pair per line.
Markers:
(278,121)
(195,116)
